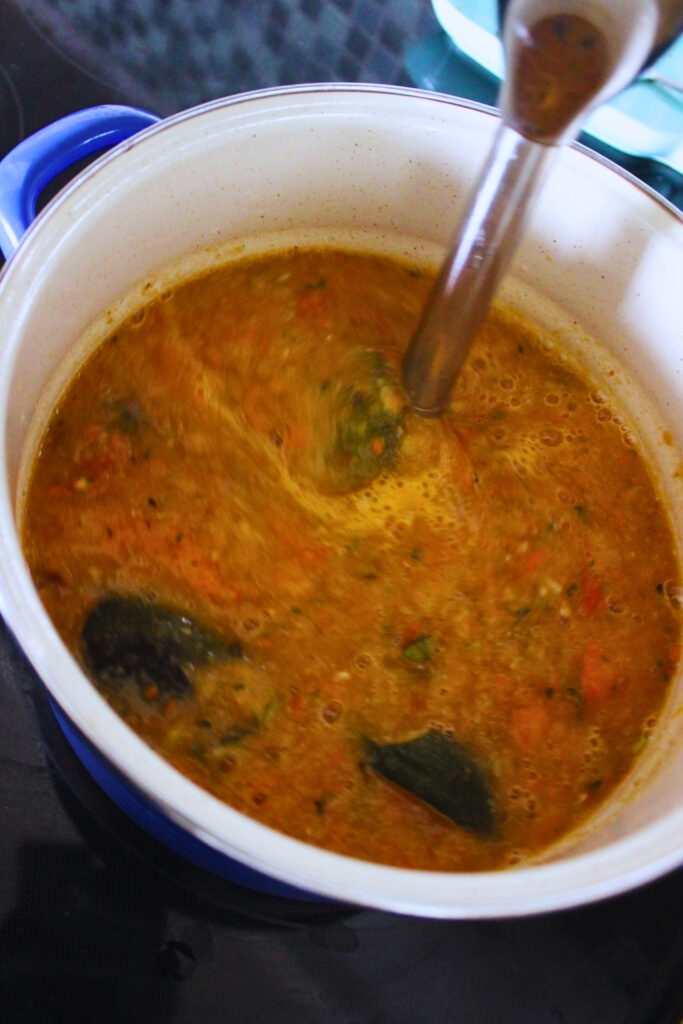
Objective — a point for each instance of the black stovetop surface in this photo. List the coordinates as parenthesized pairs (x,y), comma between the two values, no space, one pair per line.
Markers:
(98,922)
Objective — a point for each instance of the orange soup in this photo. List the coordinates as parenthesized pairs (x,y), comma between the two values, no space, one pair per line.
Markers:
(429,643)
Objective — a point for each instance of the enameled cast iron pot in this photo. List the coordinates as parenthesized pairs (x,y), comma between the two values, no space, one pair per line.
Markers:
(602,255)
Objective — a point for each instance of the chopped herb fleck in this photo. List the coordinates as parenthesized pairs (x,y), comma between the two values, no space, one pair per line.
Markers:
(270,711)
(421,650)
(126,415)
(238,732)
(576,698)
(322,802)
(639,744)
(365,429)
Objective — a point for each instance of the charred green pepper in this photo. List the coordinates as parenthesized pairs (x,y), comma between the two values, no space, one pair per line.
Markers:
(441,772)
(128,639)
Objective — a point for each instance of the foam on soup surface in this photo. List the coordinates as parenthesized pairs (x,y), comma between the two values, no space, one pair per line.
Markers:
(437,644)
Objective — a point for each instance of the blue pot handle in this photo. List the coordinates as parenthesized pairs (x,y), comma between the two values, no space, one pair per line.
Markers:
(31,165)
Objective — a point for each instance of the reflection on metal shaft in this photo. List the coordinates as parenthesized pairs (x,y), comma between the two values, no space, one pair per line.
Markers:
(562,60)
(485,242)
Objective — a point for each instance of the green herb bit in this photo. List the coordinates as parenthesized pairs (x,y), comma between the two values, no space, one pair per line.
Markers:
(576,698)
(239,731)
(126,415)
(639,744)
(321,803)
(270,710)
(367,426)
(420,651)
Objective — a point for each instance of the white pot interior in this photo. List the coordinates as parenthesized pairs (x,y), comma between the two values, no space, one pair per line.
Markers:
(601,257)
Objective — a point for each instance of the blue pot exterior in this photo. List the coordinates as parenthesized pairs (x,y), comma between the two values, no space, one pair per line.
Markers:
(173,836)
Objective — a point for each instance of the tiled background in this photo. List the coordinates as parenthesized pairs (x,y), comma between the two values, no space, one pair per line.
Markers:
(182,52)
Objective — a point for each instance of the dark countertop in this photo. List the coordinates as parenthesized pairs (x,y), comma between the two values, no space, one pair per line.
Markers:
(97,921)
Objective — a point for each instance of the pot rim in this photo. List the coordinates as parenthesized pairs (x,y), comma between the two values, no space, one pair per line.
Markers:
(317,88)
(622,864)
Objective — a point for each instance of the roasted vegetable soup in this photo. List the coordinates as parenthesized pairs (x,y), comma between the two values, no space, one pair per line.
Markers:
(429,643)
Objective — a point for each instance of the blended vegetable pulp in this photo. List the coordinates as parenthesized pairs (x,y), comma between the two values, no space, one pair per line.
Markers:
(435,644)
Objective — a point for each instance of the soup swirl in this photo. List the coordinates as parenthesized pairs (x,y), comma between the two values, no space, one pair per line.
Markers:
(435,644)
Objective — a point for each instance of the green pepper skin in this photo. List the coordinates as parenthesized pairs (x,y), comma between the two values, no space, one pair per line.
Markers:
(126,638)
(441,772)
